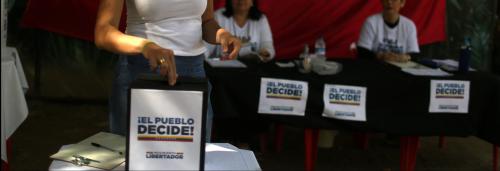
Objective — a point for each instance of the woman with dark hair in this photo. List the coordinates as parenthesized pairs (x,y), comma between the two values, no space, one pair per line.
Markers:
(243,19)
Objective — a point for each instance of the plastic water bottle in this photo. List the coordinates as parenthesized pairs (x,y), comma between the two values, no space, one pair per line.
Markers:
(320,47)
(305,52)
(305,66)
(465,55)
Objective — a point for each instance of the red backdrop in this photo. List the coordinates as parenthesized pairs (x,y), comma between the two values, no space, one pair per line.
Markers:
(293,22)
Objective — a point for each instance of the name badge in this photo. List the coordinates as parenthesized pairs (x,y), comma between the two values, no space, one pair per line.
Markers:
(345,102)
(449,96)
(284,97)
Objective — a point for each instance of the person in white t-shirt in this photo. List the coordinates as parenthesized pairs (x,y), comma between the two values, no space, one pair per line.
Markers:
(388,35)
(162,37)
(243,19)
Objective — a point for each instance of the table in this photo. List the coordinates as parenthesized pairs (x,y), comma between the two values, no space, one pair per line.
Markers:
(14,85)
(218,156)
(397,103)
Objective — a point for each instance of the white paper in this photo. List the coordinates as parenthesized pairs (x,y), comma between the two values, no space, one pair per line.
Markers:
(449,64)
(285,97)
(100,157)
(219,156)
(113,141)
(409,64)
(216,63)
(285,64)
(345,102)
(449,96)
(164,148)
(426,72)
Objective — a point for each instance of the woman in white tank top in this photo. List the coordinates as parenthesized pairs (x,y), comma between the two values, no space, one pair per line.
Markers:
(162,36)
(160,29)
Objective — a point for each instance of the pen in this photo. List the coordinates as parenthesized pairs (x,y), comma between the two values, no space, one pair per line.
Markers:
(110,149)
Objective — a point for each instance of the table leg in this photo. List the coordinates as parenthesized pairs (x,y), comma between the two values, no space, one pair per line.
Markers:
(442,142)
(495,158)
(311,147)
(315,139)
(278,139)
(409,148)
(263,142)
(362,140)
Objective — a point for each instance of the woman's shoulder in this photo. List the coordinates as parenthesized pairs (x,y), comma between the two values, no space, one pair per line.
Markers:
(262,19)
(375,18)
(220,17)
(372,21)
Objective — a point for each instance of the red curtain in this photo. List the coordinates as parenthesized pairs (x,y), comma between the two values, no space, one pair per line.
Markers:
(74,18)
(293,22)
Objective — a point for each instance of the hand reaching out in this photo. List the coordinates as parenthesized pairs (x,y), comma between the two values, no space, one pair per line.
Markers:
(163,58)
(230,44)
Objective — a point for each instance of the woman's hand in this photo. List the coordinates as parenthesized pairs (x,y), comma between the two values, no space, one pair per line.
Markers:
(264,55)
(229,43)
(163,58)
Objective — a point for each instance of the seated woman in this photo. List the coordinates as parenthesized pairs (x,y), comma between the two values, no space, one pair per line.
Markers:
(388,36)
(243,19)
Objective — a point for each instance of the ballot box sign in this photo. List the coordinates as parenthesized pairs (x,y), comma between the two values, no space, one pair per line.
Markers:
(282,97)
(166,129)
(344,102)
(448,96)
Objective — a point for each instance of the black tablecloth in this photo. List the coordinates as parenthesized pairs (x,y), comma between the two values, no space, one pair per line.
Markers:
(397,102)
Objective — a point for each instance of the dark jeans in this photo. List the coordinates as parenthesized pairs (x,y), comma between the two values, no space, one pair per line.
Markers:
(128,68)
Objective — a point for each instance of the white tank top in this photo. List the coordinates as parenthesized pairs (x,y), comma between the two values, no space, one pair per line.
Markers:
(172,24)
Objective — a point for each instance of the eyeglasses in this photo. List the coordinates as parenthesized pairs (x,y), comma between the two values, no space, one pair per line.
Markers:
(82,161)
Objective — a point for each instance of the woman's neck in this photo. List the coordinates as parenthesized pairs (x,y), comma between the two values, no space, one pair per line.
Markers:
(240,18)
(391,18)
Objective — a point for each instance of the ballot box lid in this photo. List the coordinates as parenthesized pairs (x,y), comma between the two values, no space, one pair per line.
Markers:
(155,81)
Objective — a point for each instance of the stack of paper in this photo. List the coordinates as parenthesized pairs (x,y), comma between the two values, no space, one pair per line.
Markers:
(217,63)
(417,69)
(103,150)
(409,64)
(426,72)
(289,64)
(449,64)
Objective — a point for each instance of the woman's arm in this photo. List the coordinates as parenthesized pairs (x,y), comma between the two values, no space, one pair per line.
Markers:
(212,33)
(389,56)
(107,36)
(266,37)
